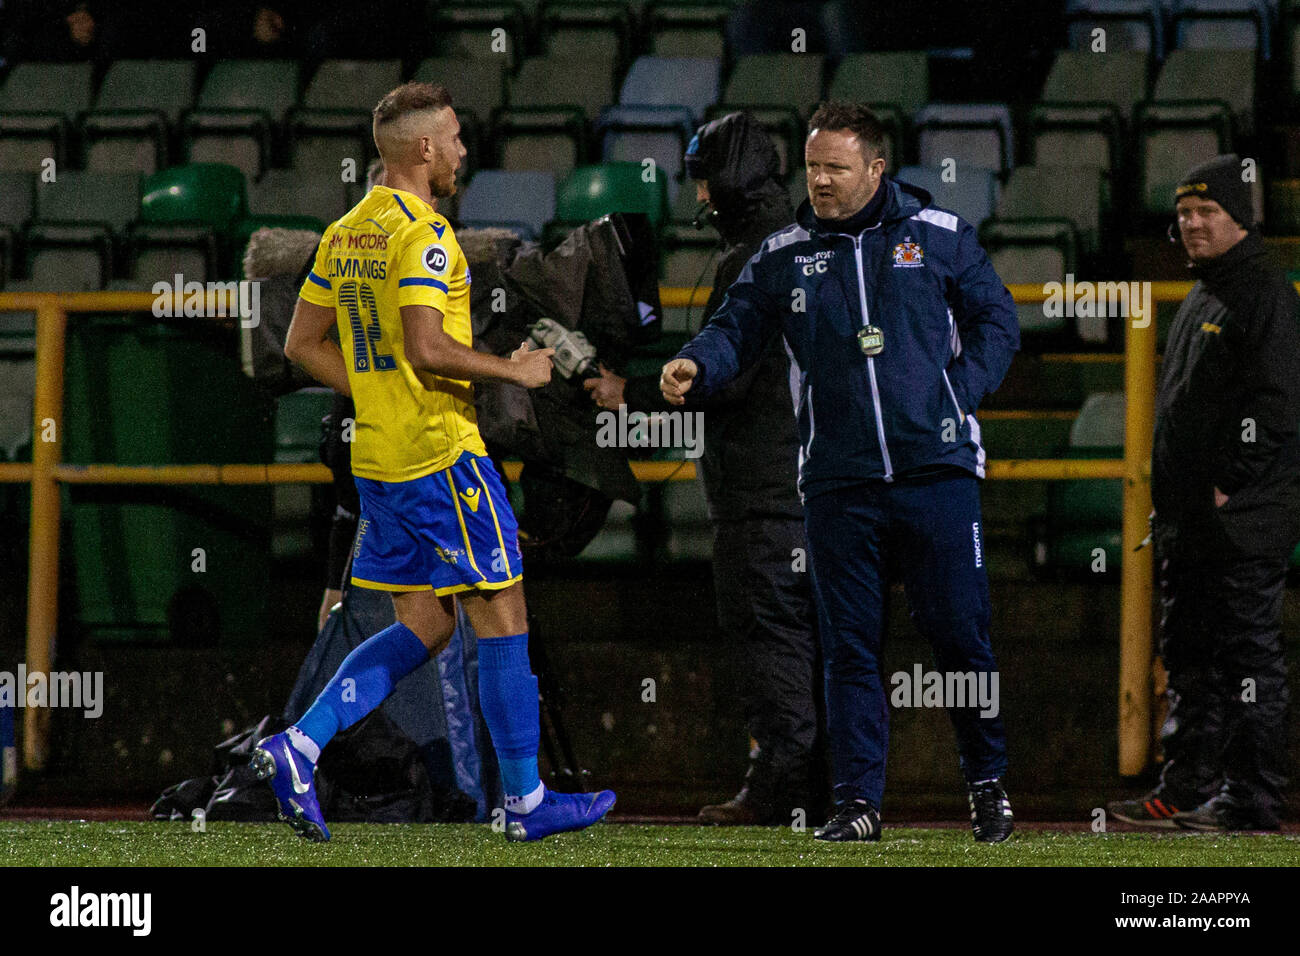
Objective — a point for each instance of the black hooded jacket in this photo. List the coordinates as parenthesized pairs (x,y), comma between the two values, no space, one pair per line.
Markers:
(1228,410)
(751,440)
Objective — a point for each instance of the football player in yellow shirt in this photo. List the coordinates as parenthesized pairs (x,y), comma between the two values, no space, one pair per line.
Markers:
(436,524)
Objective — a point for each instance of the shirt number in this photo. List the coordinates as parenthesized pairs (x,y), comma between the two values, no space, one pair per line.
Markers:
(357,297)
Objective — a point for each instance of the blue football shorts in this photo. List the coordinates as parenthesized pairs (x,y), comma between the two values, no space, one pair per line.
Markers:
(450,531)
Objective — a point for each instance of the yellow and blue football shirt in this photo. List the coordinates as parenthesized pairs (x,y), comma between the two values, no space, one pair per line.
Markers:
(393,249)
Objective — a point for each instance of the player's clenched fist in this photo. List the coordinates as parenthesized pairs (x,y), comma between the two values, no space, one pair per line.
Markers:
(679,374)
(534,369)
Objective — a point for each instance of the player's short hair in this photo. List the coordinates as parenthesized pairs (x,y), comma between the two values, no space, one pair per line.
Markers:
(857,119)
(409,98)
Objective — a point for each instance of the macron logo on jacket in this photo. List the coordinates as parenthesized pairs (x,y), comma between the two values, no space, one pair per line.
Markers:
(895,335)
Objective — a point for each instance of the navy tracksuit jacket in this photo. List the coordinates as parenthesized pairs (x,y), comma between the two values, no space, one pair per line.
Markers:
(890,446)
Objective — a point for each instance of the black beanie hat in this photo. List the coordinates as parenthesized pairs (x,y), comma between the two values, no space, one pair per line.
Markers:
(1220,180)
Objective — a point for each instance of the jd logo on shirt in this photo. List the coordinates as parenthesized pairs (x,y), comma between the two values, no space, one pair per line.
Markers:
(435,259)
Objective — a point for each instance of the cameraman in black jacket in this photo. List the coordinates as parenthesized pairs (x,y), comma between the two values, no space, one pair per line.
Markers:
(749,468)
(1225,484)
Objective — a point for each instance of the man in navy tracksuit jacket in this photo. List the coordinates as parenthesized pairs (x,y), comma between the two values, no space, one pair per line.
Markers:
(897,328)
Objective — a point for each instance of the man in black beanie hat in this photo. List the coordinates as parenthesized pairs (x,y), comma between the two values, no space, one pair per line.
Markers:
(1225,483)
(749,469)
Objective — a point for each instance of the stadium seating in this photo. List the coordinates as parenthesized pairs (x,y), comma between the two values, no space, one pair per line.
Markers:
(39,102)
(334,121)
(1083,516)
(1226,76)
(974,134)
(139,103)
(552,102)
(319,193)
(241,106)
(1128,25)
(184,213)
(79,221)
(593,191)
(972,194)
(678,28)
(1222,25)
(691,83)
(17,201)
(1171,138)
(522,201)
(471,30)
(598,30)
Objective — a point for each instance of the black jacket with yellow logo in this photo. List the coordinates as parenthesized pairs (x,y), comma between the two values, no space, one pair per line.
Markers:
(1228,410)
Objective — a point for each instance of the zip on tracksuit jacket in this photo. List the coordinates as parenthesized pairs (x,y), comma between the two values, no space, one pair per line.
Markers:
(949,332)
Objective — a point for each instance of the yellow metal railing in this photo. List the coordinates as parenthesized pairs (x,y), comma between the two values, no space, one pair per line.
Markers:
(47,472)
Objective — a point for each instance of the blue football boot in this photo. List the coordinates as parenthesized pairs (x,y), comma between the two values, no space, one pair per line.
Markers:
(558,813)
(291,776)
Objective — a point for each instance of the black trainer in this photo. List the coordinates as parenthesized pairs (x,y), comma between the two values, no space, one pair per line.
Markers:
(1218,815)
(990,811)
(1153,810)
(854,820)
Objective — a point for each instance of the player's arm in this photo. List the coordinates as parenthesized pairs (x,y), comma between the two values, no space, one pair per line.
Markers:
(432,351)
(308,344)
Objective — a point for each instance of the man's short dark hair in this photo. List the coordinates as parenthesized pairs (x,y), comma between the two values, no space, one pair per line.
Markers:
(857,119)
(410,98)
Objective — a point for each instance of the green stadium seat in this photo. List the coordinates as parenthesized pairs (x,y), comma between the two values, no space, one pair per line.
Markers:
(789,80)
(138,104)
(900,80)
(1172,137)
(185,214)
(334,121)
(600,30)
(39,102)
(298,425)
(60,88)
(590,192)
(241,105)
(1073,193)
(552,103)
(585,84)
(1083,516)
(678,28)
(470,30)
(79,222)
(211,194)
(1120,78)
(1226,76)
(17,203)
(1075,134)
(319,193)
(1034,251)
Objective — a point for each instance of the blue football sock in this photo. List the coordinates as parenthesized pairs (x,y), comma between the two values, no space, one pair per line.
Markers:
(363,680)
(507,693)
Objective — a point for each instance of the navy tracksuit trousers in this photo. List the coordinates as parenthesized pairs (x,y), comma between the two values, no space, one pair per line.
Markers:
(929,529)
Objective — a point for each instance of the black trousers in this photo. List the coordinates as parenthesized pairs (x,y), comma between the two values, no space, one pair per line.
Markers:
(765,610)
(1221,639)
